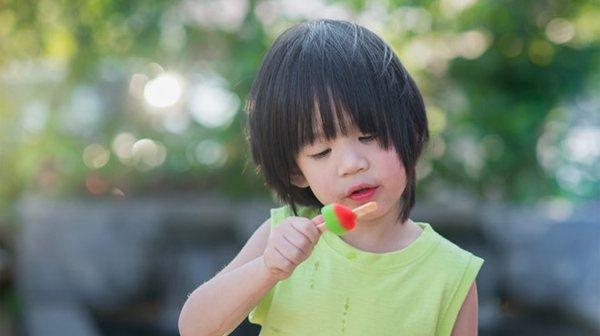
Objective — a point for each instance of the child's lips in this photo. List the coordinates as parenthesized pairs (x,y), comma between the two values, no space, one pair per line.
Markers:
(362,193)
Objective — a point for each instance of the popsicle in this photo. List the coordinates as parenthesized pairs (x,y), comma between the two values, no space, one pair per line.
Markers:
(340,219)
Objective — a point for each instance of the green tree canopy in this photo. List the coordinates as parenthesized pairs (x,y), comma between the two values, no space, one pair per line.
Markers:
(110,97)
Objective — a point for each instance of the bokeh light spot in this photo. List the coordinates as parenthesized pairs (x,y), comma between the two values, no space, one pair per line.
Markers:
(137,84)
(211,153)
(473,44)
(559,209)
(583,144)
(436,119)
(148,154)
(213,106)
(96,183)
(560,31)
(123,146)
(436,147)
(541,52)
(35,116)
(424,168)
(96,156)
(163,91)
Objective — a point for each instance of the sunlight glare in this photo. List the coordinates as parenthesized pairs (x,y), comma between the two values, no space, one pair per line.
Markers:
(163,91)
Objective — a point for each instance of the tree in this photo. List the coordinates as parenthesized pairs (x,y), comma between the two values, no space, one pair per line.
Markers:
(129,97)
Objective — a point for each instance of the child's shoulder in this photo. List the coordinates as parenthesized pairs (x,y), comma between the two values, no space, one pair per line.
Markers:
(446,252)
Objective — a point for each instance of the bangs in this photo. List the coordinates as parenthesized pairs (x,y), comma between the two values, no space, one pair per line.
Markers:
(328,93)
(332,114)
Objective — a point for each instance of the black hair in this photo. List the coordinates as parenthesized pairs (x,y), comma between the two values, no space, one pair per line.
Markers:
(324,71)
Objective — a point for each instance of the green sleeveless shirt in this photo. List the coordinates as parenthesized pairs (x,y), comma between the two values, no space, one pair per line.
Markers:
(341,290)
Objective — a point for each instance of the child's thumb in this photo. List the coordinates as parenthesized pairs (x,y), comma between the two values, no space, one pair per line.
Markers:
(320,223)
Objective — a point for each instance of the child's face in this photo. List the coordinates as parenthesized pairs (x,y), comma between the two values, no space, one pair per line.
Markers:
(351,170)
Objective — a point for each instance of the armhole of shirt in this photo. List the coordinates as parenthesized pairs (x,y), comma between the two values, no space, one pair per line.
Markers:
(449,318)
(259,313)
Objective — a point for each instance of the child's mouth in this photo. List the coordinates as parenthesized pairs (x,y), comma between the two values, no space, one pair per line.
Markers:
(362,194)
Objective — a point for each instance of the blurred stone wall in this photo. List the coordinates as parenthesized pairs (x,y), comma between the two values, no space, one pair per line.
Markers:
(88,265)
(125,266)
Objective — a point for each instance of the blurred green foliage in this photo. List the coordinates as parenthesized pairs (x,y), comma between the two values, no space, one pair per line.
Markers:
(511,89)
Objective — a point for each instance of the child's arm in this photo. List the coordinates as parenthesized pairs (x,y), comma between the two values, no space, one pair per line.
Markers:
(466,321)
(221,304)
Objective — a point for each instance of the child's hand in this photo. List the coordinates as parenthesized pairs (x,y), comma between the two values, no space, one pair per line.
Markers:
(291,242)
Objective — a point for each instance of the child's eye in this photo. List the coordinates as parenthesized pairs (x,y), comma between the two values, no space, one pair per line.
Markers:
(321,155)
(367,138)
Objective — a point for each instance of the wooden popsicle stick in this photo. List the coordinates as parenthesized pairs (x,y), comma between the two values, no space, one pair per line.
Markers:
(365,209)
(359,211)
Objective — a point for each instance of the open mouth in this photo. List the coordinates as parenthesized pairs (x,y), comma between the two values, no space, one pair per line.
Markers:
(359,191)
(362,194)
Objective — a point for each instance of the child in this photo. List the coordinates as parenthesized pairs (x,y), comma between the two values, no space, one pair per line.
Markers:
(335,118)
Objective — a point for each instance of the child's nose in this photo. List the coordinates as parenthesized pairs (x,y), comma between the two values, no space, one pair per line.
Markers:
(352,162)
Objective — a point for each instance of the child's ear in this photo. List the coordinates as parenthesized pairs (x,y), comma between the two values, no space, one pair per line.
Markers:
(297,178)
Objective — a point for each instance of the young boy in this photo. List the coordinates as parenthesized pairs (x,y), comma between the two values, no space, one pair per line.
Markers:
(335,118)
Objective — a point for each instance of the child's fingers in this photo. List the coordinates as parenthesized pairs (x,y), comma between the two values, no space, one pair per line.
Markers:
(278,264)
(299,242)
(292,244)
(285,257)
(292,253)
(289,244)
(309,229)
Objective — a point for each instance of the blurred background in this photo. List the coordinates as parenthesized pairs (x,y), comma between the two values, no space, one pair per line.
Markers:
(125,179)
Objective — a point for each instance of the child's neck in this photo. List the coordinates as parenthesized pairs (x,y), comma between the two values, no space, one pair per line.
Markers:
(383,237)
